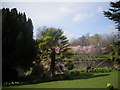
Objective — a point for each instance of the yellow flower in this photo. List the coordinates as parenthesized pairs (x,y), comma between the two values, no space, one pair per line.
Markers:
(108,84)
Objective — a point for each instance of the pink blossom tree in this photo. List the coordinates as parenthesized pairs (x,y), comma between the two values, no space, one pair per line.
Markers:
(87,55)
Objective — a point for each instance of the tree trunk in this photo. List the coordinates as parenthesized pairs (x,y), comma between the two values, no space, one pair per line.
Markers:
(92,68)
(52,66)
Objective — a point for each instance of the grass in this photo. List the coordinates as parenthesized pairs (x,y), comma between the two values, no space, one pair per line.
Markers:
(99,81)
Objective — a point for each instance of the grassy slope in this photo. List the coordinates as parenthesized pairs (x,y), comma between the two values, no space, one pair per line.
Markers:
(96,82)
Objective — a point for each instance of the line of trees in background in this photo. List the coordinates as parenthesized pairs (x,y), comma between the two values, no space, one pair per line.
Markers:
(99,40)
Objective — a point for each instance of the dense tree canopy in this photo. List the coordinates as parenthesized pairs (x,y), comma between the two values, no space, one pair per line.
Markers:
(114,13)
(17,41)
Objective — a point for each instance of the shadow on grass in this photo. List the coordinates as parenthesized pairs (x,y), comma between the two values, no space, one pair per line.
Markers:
(94,76)
(73,76)
(101,75)
(85,76)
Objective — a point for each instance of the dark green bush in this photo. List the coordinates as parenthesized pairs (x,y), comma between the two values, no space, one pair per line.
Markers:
(82,70)
(81,74)
(69,65)
(76,74)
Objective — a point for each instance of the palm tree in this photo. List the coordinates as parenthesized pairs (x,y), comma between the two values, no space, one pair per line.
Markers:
(52,42)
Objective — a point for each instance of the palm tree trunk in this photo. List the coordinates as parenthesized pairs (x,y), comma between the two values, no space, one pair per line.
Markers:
(52,66)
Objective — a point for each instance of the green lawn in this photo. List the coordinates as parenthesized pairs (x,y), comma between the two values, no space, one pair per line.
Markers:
(95,82)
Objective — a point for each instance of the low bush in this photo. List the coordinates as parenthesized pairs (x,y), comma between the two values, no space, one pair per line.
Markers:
(82,70)
(76,74)
(82,74)
(98,70)
(12,83)
(102,70)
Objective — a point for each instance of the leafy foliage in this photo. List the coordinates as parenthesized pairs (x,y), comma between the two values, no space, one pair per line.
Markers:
(69,65)
(76,74)
(102,70)
(114,13)
(115,52)
(17,42)
(81,73)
